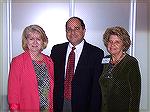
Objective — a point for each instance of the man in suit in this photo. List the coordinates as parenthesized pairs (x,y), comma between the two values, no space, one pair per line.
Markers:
(85,89)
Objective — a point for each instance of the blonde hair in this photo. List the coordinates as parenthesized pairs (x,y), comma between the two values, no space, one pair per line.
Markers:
(121,33)
(31,29)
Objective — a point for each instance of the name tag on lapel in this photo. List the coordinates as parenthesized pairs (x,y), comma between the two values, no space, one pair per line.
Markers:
(105,60)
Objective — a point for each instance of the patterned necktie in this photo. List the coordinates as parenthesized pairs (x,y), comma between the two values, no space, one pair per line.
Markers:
(69,75)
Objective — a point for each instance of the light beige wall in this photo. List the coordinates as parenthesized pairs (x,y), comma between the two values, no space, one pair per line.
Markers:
(142,50)
(149,50)
(1,53)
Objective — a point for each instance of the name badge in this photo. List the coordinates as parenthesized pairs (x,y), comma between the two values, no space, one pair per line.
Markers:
(105,60)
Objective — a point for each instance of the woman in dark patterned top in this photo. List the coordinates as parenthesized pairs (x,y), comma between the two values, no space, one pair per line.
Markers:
(120,80)
(31,76)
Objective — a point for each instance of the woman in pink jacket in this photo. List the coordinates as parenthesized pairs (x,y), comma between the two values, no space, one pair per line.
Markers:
(31,75)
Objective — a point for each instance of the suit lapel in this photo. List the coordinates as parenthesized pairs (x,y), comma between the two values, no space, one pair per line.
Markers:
(83,57)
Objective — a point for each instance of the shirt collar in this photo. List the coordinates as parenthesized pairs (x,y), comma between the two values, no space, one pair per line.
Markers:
(80,45)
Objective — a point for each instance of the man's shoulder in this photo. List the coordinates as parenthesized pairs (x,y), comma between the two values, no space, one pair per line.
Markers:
(93,47)
(61,45)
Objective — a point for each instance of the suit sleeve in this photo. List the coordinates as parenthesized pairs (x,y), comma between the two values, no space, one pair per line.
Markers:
(135,86)
(51,54)
(96,98)
(14,84)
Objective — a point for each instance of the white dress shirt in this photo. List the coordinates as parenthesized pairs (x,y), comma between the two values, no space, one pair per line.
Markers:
(77,51)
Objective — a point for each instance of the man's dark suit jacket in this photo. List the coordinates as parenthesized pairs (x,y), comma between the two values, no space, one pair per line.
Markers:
(86,93)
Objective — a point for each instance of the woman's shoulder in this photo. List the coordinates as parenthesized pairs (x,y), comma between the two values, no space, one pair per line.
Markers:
(46,57)
(131,59)
(19,57)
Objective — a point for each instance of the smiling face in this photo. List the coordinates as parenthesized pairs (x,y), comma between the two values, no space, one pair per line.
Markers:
(34,42)
(115,45)
(74,31)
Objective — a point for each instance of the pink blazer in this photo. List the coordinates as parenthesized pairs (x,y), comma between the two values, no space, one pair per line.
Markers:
(22,83)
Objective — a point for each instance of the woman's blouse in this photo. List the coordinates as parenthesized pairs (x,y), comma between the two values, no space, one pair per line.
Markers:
(121,86)
(43,84)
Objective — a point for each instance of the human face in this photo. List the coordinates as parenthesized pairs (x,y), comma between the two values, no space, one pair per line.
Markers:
(115,45)
(74,32)
(34,42)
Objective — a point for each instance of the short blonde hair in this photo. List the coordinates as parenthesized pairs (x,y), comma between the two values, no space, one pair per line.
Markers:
(31,29)
(121,33)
